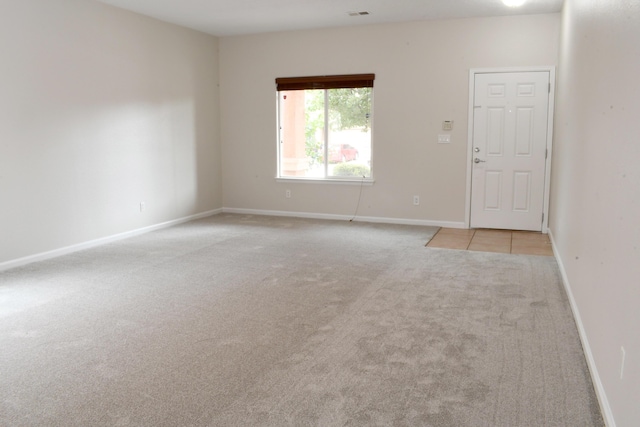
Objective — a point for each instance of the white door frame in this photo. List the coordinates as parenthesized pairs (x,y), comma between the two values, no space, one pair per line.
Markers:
(547,177)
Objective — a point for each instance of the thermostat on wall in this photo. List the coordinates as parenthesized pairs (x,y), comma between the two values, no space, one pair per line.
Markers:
(447,125)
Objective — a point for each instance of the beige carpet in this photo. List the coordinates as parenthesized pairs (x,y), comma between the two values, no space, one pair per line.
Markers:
(242,320)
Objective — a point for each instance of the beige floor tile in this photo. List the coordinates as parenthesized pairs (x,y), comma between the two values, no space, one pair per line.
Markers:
(482,232)
(456,232)
(499,241)
(528,233)
(449,242)
(492,240)
(530,241)
(490,247)
(531,248)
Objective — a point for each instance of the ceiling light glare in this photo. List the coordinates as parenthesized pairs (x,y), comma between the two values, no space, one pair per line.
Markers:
(513,3)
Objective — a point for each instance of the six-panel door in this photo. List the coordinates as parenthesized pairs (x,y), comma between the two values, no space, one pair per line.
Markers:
(509,150)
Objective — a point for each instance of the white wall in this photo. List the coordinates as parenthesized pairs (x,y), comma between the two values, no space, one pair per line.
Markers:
(595,206)
(422,74)
(101,109)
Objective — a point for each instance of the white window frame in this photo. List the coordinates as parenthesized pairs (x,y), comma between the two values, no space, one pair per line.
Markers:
(327,178)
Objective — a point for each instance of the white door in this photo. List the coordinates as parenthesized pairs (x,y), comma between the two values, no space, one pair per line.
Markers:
(510,114)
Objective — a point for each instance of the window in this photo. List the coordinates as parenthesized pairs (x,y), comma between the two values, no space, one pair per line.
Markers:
(324,127)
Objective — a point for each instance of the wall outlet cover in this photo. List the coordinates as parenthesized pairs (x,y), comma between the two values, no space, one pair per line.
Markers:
(444,138)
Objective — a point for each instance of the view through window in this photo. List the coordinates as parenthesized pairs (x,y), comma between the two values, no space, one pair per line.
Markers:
(325,126)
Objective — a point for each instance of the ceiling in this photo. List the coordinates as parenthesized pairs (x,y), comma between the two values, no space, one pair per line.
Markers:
(236,17)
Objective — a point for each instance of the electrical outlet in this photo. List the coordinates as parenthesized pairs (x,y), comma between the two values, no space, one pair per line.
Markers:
(142,206)
(416,200)
(623,354)
(287,194)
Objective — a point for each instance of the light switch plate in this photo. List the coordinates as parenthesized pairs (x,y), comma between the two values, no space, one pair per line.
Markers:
(444,139)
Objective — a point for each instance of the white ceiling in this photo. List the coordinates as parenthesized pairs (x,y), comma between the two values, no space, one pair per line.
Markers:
(235,17)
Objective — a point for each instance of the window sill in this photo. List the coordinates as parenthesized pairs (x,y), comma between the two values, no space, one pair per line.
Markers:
(339,181)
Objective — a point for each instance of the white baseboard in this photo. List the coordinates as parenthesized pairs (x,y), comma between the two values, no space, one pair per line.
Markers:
(605,408)
(382,220)
(97,242)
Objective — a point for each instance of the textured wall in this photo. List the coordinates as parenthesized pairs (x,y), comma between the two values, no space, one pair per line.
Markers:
(101,109)
(595,206)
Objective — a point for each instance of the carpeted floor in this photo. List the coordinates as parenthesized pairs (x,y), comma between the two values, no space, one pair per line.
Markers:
(242,320)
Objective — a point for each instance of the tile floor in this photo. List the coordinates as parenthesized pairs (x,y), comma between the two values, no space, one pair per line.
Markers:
(501,241)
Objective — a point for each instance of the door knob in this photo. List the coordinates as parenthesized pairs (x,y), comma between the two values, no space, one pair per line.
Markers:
(477,160)
(477,150)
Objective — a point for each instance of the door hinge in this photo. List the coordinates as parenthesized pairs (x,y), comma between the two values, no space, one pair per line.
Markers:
(549,88)
(543,217)
(546,153)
